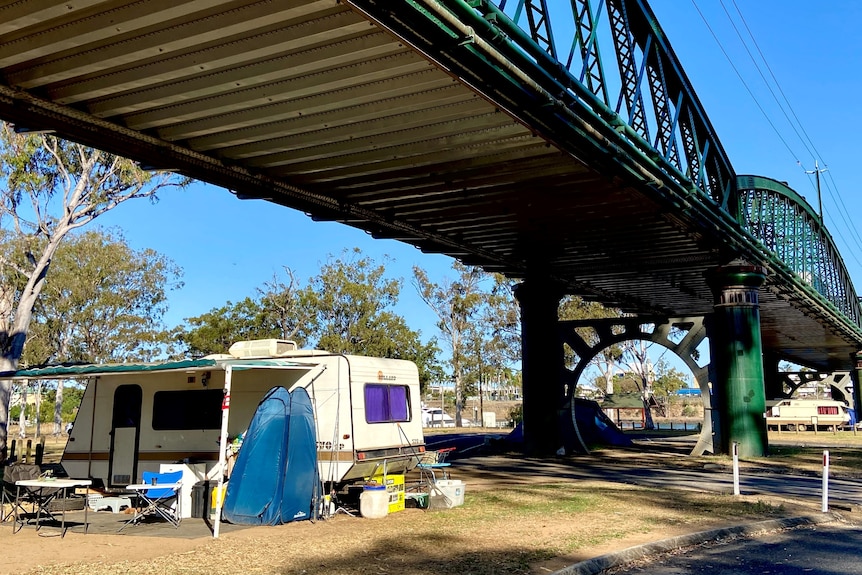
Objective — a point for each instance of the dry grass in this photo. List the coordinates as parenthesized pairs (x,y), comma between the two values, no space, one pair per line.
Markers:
(522,529)
(532,527)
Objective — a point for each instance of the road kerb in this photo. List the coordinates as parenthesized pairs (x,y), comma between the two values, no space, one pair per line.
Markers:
(601,563)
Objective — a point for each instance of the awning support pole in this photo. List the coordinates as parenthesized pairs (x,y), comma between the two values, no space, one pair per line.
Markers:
(223,443)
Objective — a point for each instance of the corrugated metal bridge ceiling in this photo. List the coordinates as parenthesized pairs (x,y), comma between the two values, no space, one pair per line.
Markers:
(311,105)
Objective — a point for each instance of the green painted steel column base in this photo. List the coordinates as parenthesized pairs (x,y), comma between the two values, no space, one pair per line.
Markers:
(737,357)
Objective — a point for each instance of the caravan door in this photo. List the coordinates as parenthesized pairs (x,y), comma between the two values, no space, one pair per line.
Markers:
(125,433)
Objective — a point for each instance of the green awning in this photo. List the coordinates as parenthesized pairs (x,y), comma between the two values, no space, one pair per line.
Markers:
(72,371)
(80,370)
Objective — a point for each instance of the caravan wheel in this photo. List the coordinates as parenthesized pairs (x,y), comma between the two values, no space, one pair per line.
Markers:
(791,427)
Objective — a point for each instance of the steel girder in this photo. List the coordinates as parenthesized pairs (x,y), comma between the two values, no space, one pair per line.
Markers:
(660,99)
(586,339)
(794,237)
(652,94)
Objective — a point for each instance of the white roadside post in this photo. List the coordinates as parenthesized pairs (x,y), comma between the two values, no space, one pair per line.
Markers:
(735,468)
(223,442)
(825,506)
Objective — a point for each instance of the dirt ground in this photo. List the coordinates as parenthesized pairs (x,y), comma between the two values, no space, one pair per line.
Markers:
(412,541)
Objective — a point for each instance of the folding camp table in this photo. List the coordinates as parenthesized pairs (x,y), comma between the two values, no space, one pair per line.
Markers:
(45,491)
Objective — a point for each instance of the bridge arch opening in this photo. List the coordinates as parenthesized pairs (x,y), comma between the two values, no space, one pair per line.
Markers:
(598,347)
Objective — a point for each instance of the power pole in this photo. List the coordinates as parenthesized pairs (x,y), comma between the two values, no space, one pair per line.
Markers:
(816,171)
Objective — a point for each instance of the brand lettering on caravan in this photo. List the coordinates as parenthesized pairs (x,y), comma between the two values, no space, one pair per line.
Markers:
(382,377)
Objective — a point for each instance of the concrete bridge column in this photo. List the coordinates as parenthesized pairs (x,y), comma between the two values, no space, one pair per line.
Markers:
(542,365)
(736,354)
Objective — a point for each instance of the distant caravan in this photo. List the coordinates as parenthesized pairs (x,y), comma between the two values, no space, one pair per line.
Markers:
(806,414)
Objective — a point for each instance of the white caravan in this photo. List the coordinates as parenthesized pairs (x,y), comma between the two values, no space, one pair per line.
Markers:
(802,414)
(138,417)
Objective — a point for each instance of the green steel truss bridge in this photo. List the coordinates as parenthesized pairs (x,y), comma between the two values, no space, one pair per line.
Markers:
(554,141)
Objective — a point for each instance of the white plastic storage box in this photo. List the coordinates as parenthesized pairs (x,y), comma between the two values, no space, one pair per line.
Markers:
(446,493)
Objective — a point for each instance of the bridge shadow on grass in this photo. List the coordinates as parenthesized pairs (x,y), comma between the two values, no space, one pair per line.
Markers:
(522,529)
(437,554)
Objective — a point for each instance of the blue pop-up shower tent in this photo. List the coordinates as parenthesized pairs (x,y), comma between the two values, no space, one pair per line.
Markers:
(276,479)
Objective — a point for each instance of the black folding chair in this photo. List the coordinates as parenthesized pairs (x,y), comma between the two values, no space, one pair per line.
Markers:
(14,502)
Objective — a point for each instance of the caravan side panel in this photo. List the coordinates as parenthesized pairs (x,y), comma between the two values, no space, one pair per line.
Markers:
(180,420)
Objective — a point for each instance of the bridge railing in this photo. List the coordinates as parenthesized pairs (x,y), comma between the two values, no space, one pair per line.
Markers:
(789,229)
(610,59)
(613,55)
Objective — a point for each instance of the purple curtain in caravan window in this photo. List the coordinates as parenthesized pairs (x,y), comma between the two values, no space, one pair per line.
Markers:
(385,403)
(398,403)
(376,399)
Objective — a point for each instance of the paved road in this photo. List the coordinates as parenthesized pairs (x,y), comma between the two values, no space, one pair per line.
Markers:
(824,549)
(720,480)
(831,549)
(503,470)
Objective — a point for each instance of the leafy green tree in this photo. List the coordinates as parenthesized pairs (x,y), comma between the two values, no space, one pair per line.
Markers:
(668,379)
(493,340)
(103,302)
(502,315)
(277,312)
(216,330)
(457,304)
(48,188)
(345,309)
(348,300)
(349,303)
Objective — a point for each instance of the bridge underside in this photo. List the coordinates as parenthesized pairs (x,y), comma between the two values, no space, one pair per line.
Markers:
(312,105)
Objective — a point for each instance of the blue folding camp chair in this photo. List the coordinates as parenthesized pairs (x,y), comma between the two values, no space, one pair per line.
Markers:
(434,461)
(161,499)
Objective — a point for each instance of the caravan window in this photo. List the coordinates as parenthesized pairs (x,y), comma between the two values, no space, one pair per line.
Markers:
(187,409)
(386,403)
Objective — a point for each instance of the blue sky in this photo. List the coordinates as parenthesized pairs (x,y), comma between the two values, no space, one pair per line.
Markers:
(228,247)
(812,51)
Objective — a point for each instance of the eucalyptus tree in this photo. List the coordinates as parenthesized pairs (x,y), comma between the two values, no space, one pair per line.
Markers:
(48,188)
(282,307)
(349,300)
(457,304)
(346,308)
(350,305)
(103,302)
(216,330)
